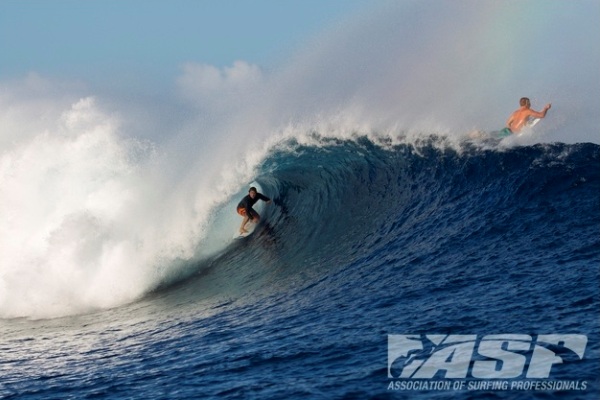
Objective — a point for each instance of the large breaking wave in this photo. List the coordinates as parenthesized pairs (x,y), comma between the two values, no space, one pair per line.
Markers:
(103,202)
(355,202)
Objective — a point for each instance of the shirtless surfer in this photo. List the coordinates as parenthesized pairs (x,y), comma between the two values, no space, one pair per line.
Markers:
(245,208)
(520,117)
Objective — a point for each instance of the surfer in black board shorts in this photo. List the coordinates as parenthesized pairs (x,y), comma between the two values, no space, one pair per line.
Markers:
(245,208)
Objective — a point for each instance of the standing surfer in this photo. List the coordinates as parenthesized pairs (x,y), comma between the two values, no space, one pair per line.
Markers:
(521,117)
(245,208)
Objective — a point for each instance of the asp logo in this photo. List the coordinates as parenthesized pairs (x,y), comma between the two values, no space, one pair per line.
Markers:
(489,357)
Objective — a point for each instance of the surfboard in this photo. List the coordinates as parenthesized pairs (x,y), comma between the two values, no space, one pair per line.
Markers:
(501,134)
(250,227)
(533,122)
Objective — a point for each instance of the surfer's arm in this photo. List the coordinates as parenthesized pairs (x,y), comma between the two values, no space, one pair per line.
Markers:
(264,198)
(541,114)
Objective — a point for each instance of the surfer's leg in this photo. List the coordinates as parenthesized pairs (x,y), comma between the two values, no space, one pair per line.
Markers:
(255,216)
(505,132)
(242,212)
(243,226)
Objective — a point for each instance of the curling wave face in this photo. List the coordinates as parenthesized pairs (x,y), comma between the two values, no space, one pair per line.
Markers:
(348,203)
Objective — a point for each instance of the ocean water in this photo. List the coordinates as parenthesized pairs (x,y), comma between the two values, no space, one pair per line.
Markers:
(363,239)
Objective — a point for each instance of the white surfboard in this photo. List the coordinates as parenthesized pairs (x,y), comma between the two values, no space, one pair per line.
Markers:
(250,227)
(533,122)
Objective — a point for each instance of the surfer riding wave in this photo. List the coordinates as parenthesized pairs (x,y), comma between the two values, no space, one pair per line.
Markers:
(521,117)
(245,209)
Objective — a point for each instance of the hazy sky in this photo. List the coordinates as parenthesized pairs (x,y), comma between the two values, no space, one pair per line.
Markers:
(95,40)
(420,64)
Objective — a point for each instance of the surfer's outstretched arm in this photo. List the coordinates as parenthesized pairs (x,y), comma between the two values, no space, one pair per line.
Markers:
(541,114)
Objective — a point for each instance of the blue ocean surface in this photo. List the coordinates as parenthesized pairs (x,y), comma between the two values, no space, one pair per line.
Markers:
(363,240)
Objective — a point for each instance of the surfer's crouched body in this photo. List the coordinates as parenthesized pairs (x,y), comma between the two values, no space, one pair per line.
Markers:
(245,209)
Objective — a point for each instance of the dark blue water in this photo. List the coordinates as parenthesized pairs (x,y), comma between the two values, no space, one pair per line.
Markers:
(362,241)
